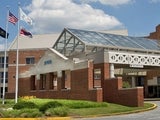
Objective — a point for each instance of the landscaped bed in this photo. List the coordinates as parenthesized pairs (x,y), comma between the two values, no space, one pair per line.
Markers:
(31,107)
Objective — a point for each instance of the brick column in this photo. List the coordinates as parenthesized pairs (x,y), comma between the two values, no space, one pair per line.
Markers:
(106,71)
(90,75)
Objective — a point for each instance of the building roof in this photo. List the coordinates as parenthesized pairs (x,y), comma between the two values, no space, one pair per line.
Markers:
(97,38)
(72,40)
(116,32)
(36,42)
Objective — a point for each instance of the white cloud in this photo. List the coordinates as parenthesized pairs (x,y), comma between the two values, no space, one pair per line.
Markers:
(109,2)
(54,15)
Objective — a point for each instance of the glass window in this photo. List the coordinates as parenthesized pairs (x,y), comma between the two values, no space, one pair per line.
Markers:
(1,91)
(42,82)
(30,60)
(33,82)
(53,81)
(97,78)
(158,80)
(1,62)
(1,77)
(97,74)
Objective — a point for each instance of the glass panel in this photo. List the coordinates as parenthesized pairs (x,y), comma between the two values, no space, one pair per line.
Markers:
(97,38)
(147,43)
(121,41)
(97,77)
(91,37)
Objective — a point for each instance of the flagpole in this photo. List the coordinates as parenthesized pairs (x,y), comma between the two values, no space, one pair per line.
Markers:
(17,58)
(5,58)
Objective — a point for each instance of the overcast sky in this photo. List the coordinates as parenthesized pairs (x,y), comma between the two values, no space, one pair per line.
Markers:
(140,17)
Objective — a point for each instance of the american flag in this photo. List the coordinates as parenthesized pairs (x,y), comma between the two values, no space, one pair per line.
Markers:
(12,18)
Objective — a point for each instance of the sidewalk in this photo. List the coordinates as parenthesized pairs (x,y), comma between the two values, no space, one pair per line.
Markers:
(151,99)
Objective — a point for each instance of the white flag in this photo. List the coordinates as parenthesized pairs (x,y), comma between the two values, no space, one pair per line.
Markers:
(24,17)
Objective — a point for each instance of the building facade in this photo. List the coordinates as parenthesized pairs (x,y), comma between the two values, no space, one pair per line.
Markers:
(87,65)
(81,65)
(153,76)
(2,59)
(30,52)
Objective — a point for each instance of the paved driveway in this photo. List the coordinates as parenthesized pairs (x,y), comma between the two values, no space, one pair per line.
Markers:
(148,115)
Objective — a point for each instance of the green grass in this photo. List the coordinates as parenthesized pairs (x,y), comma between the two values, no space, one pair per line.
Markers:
(75,104)
(8,103)
(74,108)
(109,110)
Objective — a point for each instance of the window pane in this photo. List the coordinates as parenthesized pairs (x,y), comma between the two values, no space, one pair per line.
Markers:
(97,74)
(30,60)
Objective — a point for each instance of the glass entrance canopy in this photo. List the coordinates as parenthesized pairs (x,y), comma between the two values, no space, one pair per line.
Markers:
(72,41)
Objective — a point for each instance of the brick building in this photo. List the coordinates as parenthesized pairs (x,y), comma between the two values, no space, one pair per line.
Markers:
(153,76)
(30,51)
(87,65)
(2,59)
(156,34)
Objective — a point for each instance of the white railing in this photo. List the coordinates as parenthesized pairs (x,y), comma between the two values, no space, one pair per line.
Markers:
(133,60)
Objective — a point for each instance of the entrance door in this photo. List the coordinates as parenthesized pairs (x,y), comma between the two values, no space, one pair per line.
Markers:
(154,91)
(158,91)
(140,81)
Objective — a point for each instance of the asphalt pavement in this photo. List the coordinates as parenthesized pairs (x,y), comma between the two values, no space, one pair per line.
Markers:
(147,115)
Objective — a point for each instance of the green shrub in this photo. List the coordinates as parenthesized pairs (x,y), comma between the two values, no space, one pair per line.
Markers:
(61,111)
(25,104)
(51,104)
(30,113)
(23,113)
(77,104)
(126,84)
(58,111)
(10,113)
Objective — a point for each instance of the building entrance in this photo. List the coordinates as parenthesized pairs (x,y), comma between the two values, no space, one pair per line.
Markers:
(154,91)
(140,81)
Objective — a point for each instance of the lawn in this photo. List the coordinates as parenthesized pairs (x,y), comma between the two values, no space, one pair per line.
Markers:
(35,107)
(111,109)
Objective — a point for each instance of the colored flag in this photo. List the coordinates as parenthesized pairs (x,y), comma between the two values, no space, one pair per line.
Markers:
(24,17)
(13,19)
(26,33)
(3,33)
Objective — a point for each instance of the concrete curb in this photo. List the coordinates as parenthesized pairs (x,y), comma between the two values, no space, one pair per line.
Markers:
(138,111)
(49,118)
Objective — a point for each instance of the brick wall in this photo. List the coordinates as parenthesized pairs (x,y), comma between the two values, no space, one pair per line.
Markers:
(104,70)
(105,74)
(114,93)
(153,73)
(81,87)
(156,34)
(22,67)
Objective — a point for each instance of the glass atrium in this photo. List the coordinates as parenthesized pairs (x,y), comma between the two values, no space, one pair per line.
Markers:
(73,41)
